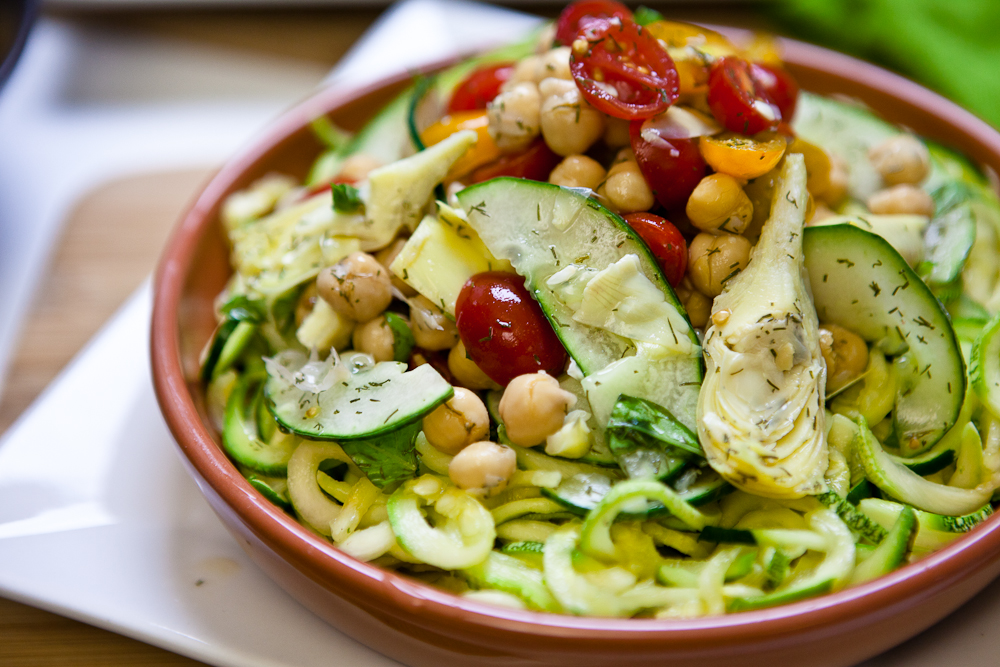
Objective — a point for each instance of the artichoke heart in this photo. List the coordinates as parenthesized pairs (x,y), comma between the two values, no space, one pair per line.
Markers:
(760,410)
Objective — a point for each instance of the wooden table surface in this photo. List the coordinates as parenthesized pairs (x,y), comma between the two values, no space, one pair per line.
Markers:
(110,243)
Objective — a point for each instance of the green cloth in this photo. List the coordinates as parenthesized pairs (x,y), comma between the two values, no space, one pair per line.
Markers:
(952,46)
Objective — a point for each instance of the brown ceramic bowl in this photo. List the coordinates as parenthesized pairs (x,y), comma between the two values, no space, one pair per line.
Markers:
(420,625)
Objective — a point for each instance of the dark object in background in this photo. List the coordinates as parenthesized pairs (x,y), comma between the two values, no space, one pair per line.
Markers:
(16,18)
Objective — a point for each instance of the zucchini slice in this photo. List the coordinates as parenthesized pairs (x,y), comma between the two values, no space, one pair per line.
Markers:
(860,282)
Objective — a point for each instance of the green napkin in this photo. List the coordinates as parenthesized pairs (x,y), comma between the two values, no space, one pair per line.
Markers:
(952,46)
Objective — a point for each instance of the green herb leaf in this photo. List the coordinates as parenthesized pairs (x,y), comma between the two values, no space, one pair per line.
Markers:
(346,198)
(389,459)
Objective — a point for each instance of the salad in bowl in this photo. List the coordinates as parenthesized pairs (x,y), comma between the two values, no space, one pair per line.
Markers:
(618,322)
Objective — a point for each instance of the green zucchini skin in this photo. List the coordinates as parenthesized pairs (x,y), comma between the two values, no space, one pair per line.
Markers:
(861,283)
(243,443)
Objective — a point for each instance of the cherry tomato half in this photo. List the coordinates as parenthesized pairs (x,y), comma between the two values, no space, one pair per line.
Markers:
(672,167)
(741,156)
(580,15)
(664,241)
(504,329)
(480,87)
(535,163)
(625,72)
(778,85)
(736,101)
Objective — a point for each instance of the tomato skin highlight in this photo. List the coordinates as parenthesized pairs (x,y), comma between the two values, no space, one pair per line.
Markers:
(580,15)
(480,87)
(535,163)
(735,99)
(504,329)
(778,85)
(673,168)
(640,74)
(664,241)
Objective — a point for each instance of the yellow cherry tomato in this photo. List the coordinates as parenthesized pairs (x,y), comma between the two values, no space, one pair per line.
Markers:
(741,156)
(818,165)
(680,35)
(485,150)
(763,48)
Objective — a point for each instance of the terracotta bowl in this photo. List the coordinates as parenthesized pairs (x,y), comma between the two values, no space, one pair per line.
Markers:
(420,625)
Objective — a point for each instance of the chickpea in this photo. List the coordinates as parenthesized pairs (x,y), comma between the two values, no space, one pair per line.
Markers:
(616,134)
(357,286)
(845,353)
(432,329)
(533,407)
(569,125)
(465,370)
(546,38)
(713,260)
(697,305)
(901,199)
(718,203)
(385,256)
(357,167)
(840,181)
(626,154)
(524,71)
(375,337)
(457,423)
(901,159)
(578,171)
(626,188)
(483,468)
(554,63)
(515,117)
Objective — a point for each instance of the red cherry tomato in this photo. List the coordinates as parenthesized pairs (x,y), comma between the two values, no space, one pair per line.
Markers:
(504,329)
(778,85)
(625,72)
(535,163)
(664,241)
(580,15)
(736,101)
(672,167)
(480,87)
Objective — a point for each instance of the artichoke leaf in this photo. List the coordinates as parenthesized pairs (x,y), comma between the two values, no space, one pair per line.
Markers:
(760,410)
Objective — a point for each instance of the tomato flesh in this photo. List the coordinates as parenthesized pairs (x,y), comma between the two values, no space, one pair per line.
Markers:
(778,85)
(736,100)
(624,72)
(664,241)
(580,15)
(504,329)
(535,163)
(672,167)
(480,87)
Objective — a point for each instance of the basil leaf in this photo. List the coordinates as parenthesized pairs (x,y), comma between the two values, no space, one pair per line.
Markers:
(346,198)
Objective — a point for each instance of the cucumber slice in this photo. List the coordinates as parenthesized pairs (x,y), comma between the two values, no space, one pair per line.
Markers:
(891,553)
(465,539)
(903,484)
(861,283)
(241,441)
(984,366)
(543,229)
(360,406)
(511,575)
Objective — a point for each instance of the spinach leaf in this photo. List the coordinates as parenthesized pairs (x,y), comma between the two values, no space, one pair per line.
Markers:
(648,441)
(388,459)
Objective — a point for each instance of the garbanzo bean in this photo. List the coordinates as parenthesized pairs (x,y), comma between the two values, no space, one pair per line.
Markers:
(465,370)
(457,423)
(375,337)
(901,199)
(714,260)
(840,181)
(357,286)
(533,407)
(385,257)
(554,63)
(483,468)
(845,353)
(569,125)
(432,329)
(626,188)
(718,203)
(901,159)
(357,167)
(578,171)
(697,305)
(616,134)
(515,117)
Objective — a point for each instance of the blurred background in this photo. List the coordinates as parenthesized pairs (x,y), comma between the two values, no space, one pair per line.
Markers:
(118,110)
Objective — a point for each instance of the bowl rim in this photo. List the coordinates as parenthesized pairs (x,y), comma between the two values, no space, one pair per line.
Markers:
(445,612)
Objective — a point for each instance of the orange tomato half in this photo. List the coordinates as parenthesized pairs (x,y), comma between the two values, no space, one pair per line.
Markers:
(741,156)
(485,150)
